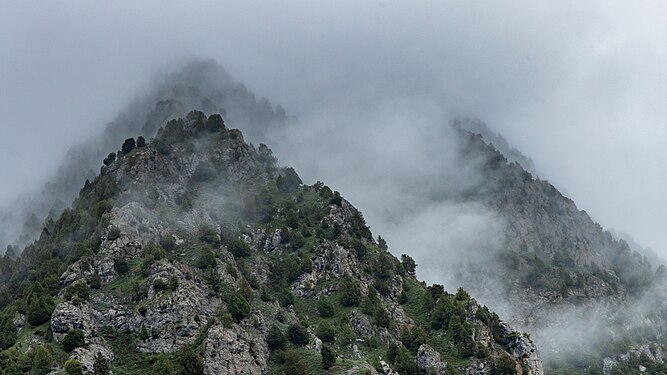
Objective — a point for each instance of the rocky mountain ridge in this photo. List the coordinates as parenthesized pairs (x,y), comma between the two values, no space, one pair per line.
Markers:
(559,271)
(196,253)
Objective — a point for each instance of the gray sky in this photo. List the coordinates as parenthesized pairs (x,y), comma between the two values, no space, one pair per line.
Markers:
(578,86)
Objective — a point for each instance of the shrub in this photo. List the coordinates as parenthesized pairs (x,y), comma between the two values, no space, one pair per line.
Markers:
(73,339)
(95,281)
(328,357)
(382,244)
(296,240)
(42,361)
(325,332)
(173,283)
(113,234)
(154,250)
(238,247)
(276,338)
(323,190)
(325,308)
(409,265)
(402,298)
(110,159)
(337,199)
(297,335)
(143,333)
(128,146)
(381,317)
(285,298)
(121,266)
(293,363)
(206,259)
(78,289)
(209,235)
(167,242)
(504,365)
(191,363)
(160,284)
(101,365)
(8,332)
(40,306)
(413,338)
(405,363)
(163,366)
(238,306)
(73,367)
(141,141)
(350,295)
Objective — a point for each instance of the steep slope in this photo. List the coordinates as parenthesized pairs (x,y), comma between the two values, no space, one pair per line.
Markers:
(201,84)
(195,253)
(584,294)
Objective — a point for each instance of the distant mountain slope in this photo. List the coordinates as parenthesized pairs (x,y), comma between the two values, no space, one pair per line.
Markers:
(557,273)
(477,126)
(195,253)
(201,84)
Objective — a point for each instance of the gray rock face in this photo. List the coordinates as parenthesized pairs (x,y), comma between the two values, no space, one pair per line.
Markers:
(273,242)
(479,368)
(520,346)
(233,351)
(429,360)
(175,319)
(361,324)
(86,355)
(19,321)
(386,369)
(652,352)
(68,315)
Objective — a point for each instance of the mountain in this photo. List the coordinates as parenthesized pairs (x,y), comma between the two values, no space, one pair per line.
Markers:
(201,84)
(470,209)
(196,253)
(588,299)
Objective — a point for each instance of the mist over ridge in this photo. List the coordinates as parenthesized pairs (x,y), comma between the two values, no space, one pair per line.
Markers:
(369,98)
(577,87)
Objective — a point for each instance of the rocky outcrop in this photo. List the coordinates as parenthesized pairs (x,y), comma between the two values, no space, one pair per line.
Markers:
(234,351)
(86,355)
(429,360)
(19,321)
(68,315)
(176,318)
(520,346)
(654,353)
(479,368)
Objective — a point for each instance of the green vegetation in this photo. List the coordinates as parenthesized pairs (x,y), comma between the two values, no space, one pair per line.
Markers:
(73,367)
(73,339)
(262,244)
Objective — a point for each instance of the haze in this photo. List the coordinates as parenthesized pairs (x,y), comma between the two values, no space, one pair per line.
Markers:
(578,87)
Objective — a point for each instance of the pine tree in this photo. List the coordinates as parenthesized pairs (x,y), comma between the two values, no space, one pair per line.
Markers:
(191,363)
(101,365)
(276,338)
(73,367)
(42,361)
(328,357)
(163,366)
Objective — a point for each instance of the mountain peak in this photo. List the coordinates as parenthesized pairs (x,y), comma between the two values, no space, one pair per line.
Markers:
(198,251)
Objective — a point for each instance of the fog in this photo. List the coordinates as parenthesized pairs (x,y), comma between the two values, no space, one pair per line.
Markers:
(578,87)
(369,89)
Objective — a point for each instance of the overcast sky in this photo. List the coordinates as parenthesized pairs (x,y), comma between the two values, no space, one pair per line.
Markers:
(581,87)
